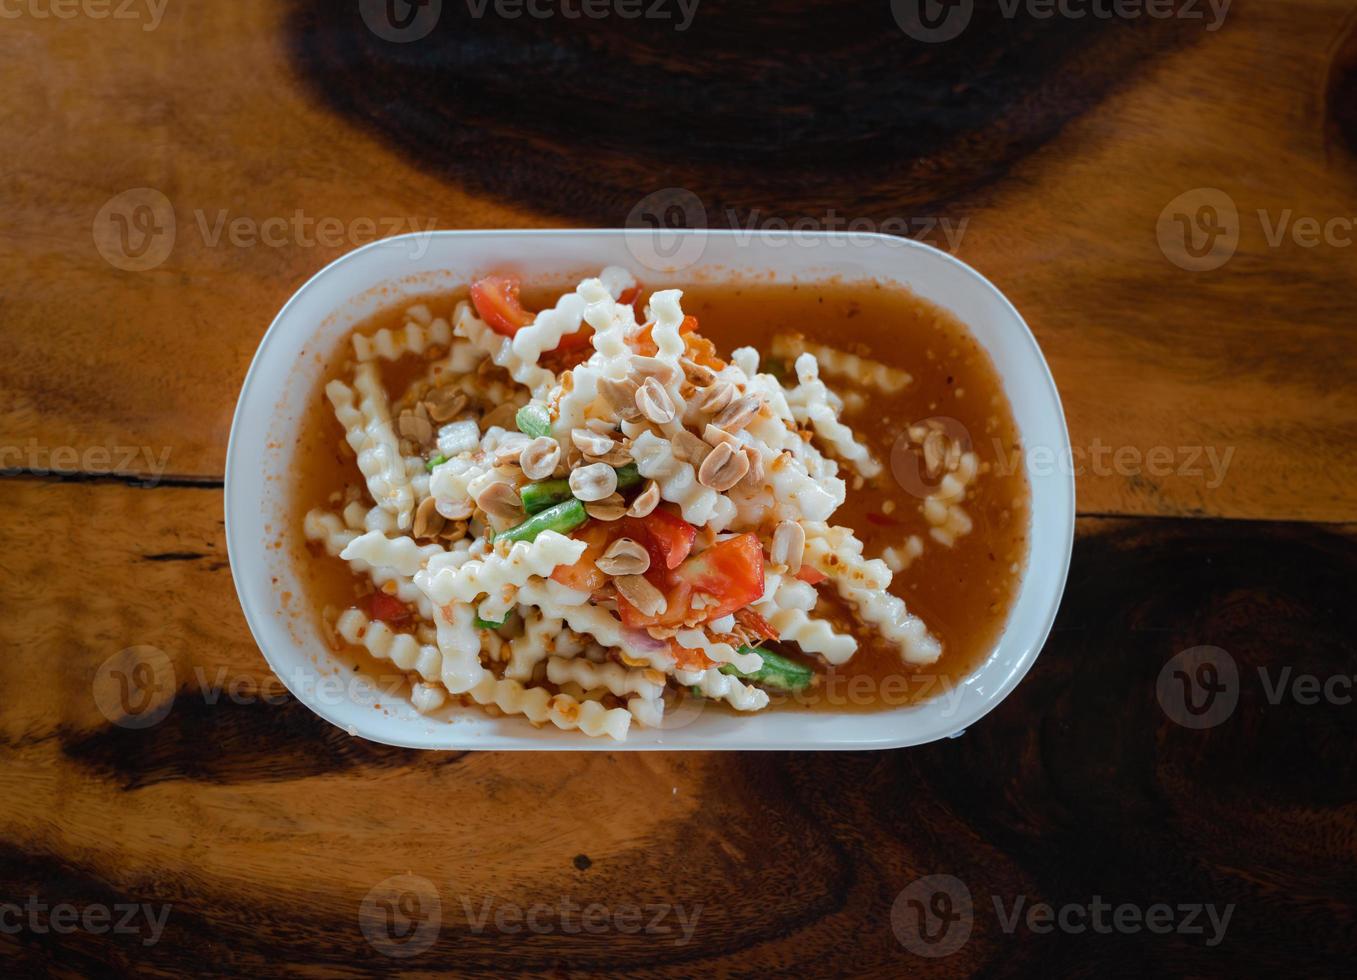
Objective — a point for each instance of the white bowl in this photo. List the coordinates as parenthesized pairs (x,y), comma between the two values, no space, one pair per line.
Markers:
(281,379)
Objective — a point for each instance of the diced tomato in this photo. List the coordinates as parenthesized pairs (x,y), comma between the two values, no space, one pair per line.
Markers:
(644,342)
(701,350)
(730,572)
(576,340)
(585,575)
(496,301)
(812,575)
(666,535)
(632,297)
(677,597)
(698,347)
(881,519)
(647,334)
(388,608)
(686,659)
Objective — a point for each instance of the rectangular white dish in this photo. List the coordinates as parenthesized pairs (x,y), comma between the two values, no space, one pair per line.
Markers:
(284,375)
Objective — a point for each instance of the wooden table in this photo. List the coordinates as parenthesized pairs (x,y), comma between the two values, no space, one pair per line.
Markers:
(1074,150)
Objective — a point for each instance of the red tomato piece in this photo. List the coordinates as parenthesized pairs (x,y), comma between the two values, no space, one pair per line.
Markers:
(644,342)
(730,572)
(585,575)
(576,340)
(812,575)
(388,608)
(702,350)
(496,302)
(666,535)
(677,596)
(630,296)
(686,659)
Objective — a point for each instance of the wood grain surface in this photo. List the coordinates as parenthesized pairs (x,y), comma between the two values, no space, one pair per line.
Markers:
(265,830)
(1066,154)
(250,112)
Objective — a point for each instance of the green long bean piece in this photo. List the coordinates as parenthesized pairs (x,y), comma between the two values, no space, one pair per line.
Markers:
(627,476)
(778,672)
(539,496)
(534,420)
(563,518)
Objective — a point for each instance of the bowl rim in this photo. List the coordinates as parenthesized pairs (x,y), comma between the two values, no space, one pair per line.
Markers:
(954,727)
